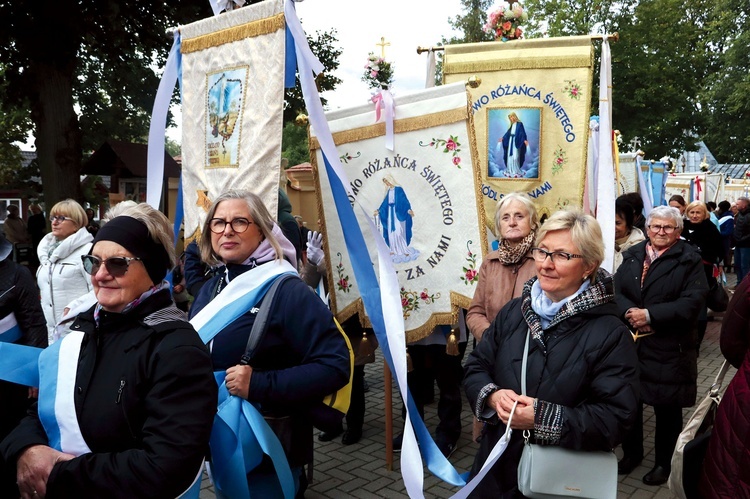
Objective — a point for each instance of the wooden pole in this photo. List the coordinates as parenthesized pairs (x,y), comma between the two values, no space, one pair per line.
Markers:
(388,394)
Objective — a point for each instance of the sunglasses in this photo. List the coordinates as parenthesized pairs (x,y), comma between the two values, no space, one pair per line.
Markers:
(117,266)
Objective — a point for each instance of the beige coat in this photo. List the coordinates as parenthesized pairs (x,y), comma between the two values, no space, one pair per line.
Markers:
(497,285)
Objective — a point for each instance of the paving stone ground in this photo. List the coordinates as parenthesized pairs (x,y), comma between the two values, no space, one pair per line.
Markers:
(359,470)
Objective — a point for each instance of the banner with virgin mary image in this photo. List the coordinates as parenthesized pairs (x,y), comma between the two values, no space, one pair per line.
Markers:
(531,115)
(232,107)
(422,198)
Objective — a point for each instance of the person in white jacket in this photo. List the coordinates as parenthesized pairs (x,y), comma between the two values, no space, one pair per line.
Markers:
(61,278)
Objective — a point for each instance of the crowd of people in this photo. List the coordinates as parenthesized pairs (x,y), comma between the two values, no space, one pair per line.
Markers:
(129,390)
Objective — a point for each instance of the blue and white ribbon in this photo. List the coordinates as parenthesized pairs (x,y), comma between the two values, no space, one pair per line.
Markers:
(9,330)
(381,298)
(240,435)
(157,129)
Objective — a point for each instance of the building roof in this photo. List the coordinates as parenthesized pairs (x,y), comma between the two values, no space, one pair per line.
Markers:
(126,160)
(731,170)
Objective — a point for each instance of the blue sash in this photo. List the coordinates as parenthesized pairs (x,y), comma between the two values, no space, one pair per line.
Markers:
(240,435)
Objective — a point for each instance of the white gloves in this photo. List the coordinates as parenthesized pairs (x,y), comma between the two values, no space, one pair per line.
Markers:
(315,253)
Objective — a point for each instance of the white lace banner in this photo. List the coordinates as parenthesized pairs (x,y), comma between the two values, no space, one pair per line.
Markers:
(233,96)
(422,198)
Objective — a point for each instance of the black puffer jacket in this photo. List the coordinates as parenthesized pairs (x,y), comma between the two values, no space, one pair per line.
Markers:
(583,367)
(145,401)
(673,292)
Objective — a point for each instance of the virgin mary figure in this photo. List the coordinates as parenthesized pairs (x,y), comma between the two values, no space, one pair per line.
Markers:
(396,218)
(514,144)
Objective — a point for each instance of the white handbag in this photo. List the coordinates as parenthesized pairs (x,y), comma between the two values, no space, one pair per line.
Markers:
(547,471)
(692,443)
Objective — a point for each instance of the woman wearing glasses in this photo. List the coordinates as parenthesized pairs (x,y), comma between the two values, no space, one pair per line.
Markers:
(582,386)
(127,397)
(661,289)
(60,277)
(301,357)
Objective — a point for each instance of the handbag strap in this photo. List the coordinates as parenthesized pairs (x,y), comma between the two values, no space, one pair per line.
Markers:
(524,362)
(719,380)
(261,319)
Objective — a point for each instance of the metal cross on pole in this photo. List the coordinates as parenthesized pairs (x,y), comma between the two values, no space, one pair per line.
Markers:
(383,44)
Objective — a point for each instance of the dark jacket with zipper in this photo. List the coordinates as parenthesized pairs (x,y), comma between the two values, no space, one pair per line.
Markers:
(583,367)
(301,358)
(145,400)
(674,292)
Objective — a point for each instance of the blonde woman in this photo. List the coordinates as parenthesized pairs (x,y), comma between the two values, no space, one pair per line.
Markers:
(61,277)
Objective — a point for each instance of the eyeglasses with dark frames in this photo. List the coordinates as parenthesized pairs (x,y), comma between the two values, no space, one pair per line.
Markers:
(117,266)
(556,256)
(218,225)
(59,218)
(668,229)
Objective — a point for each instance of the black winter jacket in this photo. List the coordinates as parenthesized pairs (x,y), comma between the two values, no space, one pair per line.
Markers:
(584,369)
(674,292)
(145,401)
(302,356)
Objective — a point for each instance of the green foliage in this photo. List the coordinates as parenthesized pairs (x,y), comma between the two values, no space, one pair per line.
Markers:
(470,24)
(294,144)
(725,101)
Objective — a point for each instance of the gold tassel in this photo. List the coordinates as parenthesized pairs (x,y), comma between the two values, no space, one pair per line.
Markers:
(409,363)
(451,346)
(365,347)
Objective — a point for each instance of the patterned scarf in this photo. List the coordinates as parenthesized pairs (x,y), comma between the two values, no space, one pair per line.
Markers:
(601,291)
(651,255)
(510,255)
(130,306)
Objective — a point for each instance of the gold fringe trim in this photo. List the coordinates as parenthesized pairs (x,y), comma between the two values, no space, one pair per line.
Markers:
(572,61)
(399,126)
(474,150)
(234,34)
(196,236)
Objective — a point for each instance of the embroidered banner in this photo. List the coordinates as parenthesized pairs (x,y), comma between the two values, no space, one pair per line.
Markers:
(233,96)
(531,116)
(422,198)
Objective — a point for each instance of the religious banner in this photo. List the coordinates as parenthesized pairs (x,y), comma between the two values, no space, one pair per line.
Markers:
(531,112)
(233,96)
(696,186)
(627,175)
(421,196)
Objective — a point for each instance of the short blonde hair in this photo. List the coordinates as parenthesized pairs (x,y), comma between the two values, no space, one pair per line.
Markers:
(71,209)
(528,204)
(158,225)
(584,231)
(117,210)
(700,205)
(258,212)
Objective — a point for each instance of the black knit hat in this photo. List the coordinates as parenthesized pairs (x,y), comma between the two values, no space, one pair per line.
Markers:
(133,235)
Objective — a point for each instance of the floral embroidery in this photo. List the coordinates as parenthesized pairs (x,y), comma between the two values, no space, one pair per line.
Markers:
(346,157)
(410,300)
(573,89)
(470,272)
(342,283)
(451,146)
(560,161)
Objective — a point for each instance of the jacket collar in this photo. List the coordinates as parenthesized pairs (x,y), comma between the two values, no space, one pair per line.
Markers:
(601,292)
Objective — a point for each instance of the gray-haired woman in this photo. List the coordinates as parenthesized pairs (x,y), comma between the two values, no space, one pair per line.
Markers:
(582,374)
(661,288)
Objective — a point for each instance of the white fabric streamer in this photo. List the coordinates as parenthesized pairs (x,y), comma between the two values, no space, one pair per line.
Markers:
(411,460)
(157,129)
(430,78)
(605,189)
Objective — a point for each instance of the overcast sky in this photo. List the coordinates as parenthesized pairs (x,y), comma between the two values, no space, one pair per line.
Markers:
(405,24)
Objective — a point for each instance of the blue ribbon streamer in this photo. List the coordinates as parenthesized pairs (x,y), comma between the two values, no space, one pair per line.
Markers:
(49,361)
(18,364)
(290,61)
(364,272)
